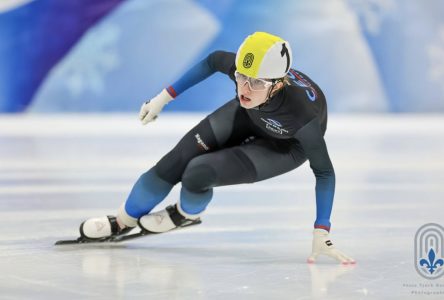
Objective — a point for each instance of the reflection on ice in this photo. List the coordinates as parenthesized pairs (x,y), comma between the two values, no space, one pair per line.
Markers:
(322,276)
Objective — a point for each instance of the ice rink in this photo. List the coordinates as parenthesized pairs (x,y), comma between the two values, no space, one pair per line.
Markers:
(57,170)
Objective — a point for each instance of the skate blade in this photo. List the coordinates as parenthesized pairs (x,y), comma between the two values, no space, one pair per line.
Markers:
(112,239)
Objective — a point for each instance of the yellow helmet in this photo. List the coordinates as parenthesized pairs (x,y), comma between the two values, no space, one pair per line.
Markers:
(263,55)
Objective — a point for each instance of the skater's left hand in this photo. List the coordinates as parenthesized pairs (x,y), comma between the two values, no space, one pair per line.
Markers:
(151,109)
(323,245)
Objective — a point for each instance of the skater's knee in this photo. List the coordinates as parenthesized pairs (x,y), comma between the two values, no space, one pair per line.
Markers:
(199,175)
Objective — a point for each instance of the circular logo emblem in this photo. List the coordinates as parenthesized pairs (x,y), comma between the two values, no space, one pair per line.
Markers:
(429,252)
(248,60)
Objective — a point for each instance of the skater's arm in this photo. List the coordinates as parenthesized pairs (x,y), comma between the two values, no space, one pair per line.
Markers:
(315,149)
(217,61)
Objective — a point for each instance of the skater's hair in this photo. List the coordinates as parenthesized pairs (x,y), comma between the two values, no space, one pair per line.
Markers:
(285,80)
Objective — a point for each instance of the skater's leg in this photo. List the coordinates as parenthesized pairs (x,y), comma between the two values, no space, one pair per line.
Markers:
(153,186)
(224,167)
(214,132)
(147,192)
(192,204)
(209,135)
(226,127)
(258,160)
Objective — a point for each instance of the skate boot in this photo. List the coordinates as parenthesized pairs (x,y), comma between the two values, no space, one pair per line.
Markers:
(165,220)
(102,228)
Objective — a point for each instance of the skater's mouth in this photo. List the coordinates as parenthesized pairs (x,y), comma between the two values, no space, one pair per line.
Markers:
(244,99)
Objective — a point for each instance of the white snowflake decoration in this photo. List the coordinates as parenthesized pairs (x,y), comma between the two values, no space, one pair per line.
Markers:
(96,56)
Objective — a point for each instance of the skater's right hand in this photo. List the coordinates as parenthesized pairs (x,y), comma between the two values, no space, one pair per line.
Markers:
(322,245)
(150,109)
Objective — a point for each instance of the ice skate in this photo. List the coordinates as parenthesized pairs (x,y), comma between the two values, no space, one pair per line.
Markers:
(101,228)
(106,230)
(165,220)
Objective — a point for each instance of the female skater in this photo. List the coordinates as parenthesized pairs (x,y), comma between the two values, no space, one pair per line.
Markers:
(275,123)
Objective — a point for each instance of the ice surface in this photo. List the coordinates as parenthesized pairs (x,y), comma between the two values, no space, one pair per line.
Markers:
(55,171)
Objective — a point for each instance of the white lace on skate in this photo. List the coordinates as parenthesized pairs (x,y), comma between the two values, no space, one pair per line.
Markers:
(157,222)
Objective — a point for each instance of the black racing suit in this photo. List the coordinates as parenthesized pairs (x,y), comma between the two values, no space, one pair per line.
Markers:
(235,145)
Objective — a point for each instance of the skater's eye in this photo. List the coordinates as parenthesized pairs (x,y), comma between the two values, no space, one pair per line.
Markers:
(241,78)
(256,84)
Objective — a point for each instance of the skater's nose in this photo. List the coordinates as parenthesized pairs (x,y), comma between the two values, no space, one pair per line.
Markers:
(245,88)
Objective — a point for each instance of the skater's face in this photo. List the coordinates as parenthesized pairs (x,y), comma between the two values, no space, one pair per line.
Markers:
(253,92)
